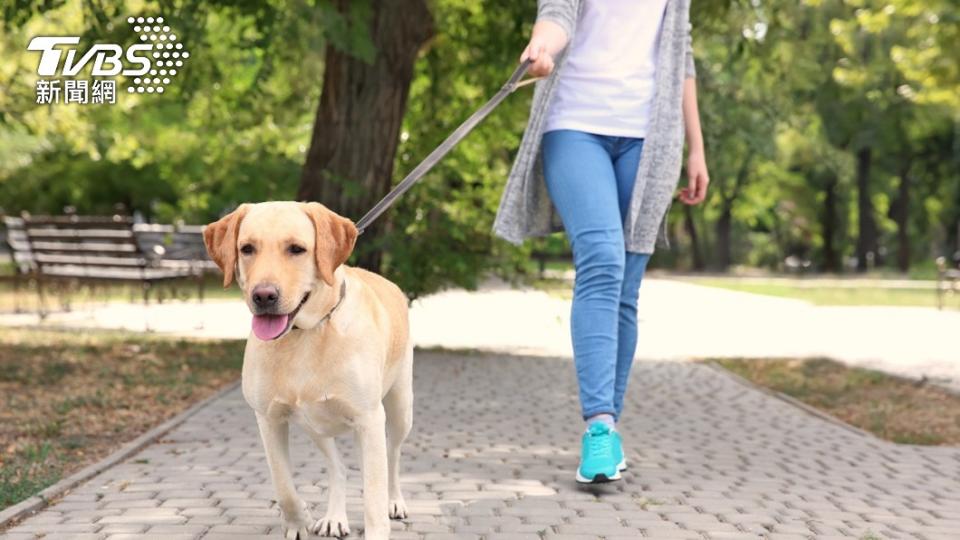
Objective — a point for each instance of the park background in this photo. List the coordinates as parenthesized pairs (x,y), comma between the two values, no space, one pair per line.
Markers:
(832,133)
(832,128)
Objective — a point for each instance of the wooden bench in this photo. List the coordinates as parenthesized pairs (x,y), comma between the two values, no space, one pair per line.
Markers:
(179,247)
(18,248)
(948,279)
(57,250)
(17,244)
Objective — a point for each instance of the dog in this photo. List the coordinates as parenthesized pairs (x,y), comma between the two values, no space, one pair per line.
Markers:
(329,349)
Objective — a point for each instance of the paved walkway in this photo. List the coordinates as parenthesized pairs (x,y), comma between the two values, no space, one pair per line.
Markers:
(678,321)
(491,458)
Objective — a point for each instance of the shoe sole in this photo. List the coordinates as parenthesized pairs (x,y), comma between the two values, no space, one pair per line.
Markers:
(622,466)
(598,479)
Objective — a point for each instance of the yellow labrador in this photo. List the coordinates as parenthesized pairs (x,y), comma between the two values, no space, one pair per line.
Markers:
(329,350)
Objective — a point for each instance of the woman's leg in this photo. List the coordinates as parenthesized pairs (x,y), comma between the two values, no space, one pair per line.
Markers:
(626,162)
(582,184)
(627,327)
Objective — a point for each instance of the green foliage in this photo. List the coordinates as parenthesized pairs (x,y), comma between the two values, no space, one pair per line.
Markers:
(789,92)
(33,472)
(233,128)
(441,228)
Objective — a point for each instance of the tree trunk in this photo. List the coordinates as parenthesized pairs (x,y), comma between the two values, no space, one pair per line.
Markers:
(831,259)
(724,223)
(867,227)
(695,249)
(349,165)
(901,214)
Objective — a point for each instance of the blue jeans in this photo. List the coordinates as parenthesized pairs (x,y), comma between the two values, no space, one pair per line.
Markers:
(590,179)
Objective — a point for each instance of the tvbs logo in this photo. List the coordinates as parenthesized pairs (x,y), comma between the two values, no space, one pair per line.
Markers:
(106,57)
(149,65)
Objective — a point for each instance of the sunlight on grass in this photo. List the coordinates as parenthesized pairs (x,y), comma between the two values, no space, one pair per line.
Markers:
(833,296)
(559,288)
(893,408)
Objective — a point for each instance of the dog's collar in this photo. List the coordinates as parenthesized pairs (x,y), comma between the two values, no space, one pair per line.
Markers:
(343,293)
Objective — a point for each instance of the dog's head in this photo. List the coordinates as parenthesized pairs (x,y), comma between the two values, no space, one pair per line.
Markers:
(283,254)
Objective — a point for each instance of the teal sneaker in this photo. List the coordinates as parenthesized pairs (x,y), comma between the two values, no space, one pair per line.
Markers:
(598,455)
(618,452)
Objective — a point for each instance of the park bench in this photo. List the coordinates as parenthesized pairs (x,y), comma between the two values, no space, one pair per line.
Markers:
(178,247)
(948,278)
(17,250)
(56,251)
(16,245)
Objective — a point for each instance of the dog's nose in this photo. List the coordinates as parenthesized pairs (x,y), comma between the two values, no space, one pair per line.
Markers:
(265,296)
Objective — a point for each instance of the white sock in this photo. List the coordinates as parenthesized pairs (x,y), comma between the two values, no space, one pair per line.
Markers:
(605,418)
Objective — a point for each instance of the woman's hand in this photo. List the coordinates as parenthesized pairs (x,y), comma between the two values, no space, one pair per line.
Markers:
(698,178)
(548,39)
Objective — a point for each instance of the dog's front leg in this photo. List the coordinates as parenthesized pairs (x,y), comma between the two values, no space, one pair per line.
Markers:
(371,435)
(334,523)
(294,513)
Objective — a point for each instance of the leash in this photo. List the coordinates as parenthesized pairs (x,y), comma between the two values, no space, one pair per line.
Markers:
(417,173)
(458,134)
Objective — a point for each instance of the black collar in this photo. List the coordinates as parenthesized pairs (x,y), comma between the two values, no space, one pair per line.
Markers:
(343,293)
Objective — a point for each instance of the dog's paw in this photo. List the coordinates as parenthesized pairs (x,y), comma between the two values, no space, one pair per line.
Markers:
(297,527)
(295,531)
(332,525)
(398,508)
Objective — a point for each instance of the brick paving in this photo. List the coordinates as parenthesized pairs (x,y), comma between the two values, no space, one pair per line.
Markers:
(492,456)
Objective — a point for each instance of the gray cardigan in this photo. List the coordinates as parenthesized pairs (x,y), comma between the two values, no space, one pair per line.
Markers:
(526,209)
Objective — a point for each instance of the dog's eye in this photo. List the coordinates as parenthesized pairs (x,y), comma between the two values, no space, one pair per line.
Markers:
(247,249)
(296,250)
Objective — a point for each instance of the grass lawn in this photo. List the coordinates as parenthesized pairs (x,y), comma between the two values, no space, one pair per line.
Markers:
(68,399)
(560,288)
(808,290)
(890,407)
(825,295)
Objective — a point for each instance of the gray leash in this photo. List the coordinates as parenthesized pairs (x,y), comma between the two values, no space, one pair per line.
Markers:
(458,134)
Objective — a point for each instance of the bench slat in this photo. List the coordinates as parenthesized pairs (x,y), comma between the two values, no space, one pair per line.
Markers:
(91,260)
(83,246)
(117,274)
(193,264)
(80,222)
(99,234)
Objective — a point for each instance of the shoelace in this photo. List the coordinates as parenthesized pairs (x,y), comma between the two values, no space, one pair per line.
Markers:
(600,444)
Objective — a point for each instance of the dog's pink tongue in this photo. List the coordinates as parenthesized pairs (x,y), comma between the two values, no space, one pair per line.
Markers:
(267,327)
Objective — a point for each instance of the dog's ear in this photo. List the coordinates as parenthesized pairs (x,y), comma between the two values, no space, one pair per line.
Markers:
(336,236)
(220,237)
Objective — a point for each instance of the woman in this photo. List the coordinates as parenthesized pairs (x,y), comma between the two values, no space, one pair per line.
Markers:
(603,147)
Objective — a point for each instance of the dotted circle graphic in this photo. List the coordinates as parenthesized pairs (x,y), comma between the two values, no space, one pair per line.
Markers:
(168,53)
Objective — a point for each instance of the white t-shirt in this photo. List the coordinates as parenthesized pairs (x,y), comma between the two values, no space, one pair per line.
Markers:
(606,84)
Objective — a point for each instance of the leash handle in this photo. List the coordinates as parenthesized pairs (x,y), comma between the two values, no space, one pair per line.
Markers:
(514,81)
(437,154)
